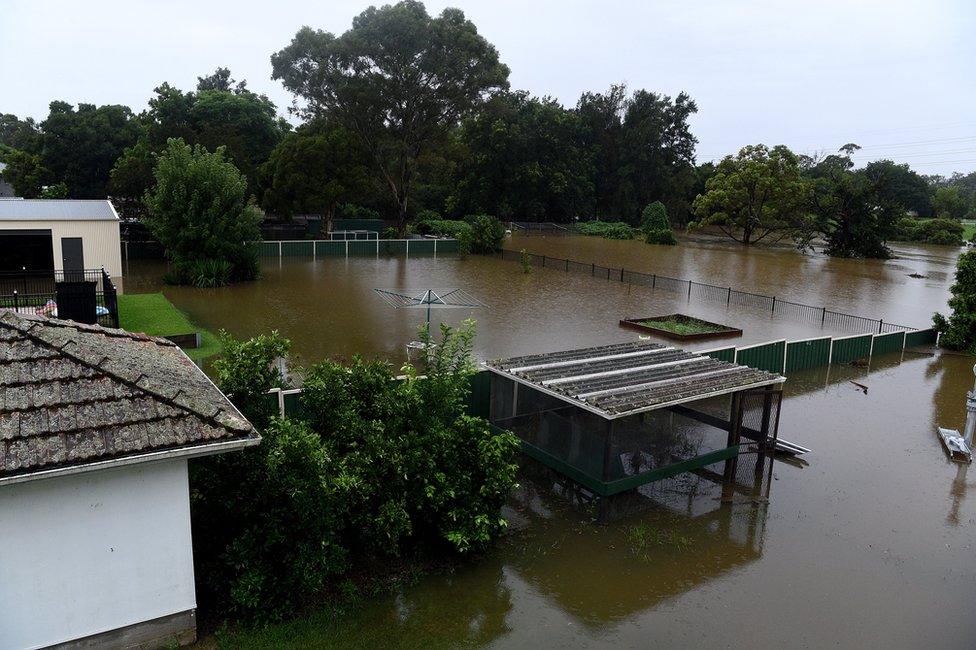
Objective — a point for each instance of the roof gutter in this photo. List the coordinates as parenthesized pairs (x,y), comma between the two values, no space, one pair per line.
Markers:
(195,451)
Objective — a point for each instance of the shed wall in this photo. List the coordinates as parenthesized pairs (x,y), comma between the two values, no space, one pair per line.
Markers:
(94,552)
(100,241)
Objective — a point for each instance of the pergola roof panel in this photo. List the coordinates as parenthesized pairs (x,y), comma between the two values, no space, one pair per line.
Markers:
(627,378)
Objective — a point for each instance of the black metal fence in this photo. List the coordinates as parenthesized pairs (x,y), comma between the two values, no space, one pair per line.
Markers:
(713,293)
(85,295)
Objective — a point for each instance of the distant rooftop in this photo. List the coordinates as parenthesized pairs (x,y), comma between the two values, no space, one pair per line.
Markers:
(77,397)
(57,210)
(626,378)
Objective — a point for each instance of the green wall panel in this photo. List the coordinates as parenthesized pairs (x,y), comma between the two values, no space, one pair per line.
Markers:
(920,337)
(851,349)
(725,354)
(807,354)
(887,343)
(768,357)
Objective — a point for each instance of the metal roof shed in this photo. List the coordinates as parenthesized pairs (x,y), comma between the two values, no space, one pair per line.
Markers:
(615,417)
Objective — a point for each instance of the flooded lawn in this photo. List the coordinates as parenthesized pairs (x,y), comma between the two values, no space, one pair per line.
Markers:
(328,307)
(870,543)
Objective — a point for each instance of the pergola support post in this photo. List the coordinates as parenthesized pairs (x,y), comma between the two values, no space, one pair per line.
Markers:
(734,438)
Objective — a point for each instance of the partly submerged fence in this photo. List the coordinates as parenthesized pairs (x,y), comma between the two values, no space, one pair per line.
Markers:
(786,357)
(783,357)
(314,248)
(710,292)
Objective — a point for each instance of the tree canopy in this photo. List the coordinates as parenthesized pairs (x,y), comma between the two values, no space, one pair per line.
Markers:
(399,79)
(199,211)
(754,196)
(312,171)
(524,160)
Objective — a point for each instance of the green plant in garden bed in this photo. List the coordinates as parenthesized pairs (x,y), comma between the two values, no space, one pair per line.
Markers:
(684,325)
(152,313)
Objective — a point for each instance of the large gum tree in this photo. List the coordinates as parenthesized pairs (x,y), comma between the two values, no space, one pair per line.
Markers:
(400,79)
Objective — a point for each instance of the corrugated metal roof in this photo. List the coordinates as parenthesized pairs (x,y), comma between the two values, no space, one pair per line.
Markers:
(57,210)
(627,378)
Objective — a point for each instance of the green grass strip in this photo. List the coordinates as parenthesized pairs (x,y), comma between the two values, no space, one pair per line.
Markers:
(153,313)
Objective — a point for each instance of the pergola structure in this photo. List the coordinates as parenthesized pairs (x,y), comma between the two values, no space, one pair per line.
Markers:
(616,417)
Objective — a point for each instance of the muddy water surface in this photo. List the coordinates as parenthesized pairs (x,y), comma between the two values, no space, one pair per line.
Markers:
(869,543)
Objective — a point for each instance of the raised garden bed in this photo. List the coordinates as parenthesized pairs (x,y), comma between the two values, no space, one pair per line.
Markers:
(680,327)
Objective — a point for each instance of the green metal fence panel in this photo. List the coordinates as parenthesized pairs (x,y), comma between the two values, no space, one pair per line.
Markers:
(801,355)
(363,246)
(271,401)
(920,337)
(479,401)
(297,248)
(768,357)
(447,245)
(887,343)
(724,354)
(421,246)
(850,348)
(293,404)
(268,249)
(330,248)
(393,246)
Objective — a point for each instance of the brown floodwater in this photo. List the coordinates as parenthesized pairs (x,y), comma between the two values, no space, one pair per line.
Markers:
(869,543)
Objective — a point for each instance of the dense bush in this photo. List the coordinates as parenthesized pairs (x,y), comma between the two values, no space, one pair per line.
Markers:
(459,230)
(943,231)
(958,331)
(374,468)
(655,225)
(487,233)
(353,211)
(606,229)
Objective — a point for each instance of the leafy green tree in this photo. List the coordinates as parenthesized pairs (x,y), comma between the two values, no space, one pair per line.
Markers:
(56,191)
(950,203)
(755,195)
(199,211)
(850,209)
(247,370)
(244,123)
(312,172)
(221,80)
(399,79)
(19,134)
(524,161)
(81,146)
(900,185)
(958,331)
(655,225)
(26,173)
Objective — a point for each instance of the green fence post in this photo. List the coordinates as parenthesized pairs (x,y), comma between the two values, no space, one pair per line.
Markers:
(880,324)
(689,289)
(654,281)
(774,305)
(823,317)
(621,274)
(728,301)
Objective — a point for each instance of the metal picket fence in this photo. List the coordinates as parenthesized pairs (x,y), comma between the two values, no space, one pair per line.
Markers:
(827,318)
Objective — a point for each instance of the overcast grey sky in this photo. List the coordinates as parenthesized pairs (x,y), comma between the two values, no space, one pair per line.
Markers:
(895,76)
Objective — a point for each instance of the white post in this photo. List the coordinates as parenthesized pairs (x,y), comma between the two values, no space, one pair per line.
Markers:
(970,415)
(435,248)
(408,248)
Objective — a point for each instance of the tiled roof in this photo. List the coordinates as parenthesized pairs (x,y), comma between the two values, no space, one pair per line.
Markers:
(74,395)
(58,210)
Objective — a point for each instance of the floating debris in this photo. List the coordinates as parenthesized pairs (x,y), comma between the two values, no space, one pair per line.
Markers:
(860,387)
(955,445)
(917,275)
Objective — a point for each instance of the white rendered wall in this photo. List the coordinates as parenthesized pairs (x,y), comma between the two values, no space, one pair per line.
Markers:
(94,552)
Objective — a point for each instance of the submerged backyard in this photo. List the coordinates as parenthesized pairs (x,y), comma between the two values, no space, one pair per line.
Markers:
(867,540)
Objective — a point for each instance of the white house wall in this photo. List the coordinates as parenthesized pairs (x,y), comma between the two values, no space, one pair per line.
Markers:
(99,238)
(93,552)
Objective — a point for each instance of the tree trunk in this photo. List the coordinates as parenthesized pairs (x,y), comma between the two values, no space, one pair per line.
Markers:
(747,235)
(402,215)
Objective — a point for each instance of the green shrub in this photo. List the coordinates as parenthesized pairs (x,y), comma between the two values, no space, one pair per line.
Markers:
(947,232)
(655,225)
(200,212)
(606,229)
(958,331)
(353,211)
(268,523)
(459,230)
(427,215)
(487,233)
(375,467)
